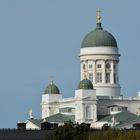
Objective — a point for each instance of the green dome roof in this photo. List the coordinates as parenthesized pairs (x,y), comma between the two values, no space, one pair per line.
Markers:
(52,89)
(99,37)
(85,84)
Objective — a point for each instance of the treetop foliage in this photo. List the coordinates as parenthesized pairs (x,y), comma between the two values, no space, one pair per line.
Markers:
(71,131)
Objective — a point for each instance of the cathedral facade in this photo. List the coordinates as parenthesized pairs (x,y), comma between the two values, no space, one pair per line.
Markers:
(97,99)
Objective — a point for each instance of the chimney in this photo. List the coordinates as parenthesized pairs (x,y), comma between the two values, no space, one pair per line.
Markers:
(21,125)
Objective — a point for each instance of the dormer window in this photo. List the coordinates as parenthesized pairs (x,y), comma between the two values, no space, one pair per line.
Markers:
(114,109)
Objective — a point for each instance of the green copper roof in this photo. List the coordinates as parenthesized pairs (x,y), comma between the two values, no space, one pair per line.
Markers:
(60,118)
(52,89)
(122,117)
(56,118)
(85,84)
(98,38)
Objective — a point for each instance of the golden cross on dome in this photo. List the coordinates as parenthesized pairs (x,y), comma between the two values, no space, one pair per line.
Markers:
(98,11)
(31,114)
(52,79)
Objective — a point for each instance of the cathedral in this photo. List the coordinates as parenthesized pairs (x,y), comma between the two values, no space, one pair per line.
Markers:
(97,100)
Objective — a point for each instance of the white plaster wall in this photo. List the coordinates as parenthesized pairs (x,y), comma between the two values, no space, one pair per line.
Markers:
(49,109)
(82,93)
(107,90)
(114,112)
(80,110)
(50,104)
(67,104)
(98,125)
(30,125)
(99,50)
(47,98)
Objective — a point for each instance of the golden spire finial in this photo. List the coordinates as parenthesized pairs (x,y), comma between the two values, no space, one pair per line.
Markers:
(31,114)
(98,11)
(52,81)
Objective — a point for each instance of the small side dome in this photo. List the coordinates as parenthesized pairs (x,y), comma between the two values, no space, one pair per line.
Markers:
(85,84)
(52,89)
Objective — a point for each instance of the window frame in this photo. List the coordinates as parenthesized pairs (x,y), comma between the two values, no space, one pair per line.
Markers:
(107,77)
(90,76)
(99,66)
(99,77)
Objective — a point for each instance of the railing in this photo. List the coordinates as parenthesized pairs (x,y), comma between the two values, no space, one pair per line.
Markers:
(15,129)
(67,99)
(119,98)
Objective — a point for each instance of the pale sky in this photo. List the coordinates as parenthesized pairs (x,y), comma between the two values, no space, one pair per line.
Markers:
(42,38)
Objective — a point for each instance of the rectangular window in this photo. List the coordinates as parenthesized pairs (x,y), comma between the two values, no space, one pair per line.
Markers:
(90,66)
(112,109)
(119,109)
(65,110)
(114,67)
(69,109)
(114,78)
(99,66)
(99,77)
(91,77)
(84,66)
(107,77)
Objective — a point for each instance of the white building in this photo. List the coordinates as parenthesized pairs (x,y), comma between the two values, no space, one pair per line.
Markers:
(98,98)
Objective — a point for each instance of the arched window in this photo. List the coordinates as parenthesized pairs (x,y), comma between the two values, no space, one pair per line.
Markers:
(84,66)
(108,66)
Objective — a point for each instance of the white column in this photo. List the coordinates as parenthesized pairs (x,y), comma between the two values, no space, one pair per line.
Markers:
(103,75)
(78,111)
(117,73)
(94,72)
(86,70)
(83,112)
(112,72)
(81,70)
(95,112)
